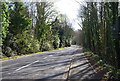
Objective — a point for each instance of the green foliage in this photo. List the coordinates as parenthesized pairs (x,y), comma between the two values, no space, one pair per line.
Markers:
(45,33)
(19,22)
(9,52)
(68,35)
(26,43)
(5,19)
(13,24)
(46,30)
(56,41)
(47,46)
(4,23)
(42,28)
(63,34)
(98,25)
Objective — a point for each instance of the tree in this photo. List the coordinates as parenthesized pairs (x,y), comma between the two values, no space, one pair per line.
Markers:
(47,31)
(45,13)
(100,20)
(19,21)
(4,20)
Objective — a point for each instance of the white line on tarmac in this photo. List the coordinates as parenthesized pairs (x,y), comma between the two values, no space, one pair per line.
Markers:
(44,57)
(26,65)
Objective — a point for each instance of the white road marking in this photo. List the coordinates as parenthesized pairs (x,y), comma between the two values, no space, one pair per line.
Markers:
(9,73)
(44,57)
(26,65)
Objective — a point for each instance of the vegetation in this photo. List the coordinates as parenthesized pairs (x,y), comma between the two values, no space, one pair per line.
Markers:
(36,26)
(100,31)
(32,27)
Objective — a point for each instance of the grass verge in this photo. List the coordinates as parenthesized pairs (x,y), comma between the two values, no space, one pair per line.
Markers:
(18,56)
(99,65)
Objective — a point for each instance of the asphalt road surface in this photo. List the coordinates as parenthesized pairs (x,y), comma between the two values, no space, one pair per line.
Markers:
(63,64)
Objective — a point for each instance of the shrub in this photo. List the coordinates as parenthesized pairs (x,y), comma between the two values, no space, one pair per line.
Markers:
(56,43)
(34,46)
(9,52)
(47,46)
(26,43)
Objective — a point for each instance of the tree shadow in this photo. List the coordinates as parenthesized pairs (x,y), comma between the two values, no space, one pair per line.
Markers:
(56,75)
(59,63)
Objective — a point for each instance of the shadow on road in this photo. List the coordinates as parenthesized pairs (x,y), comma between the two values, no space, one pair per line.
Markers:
(78,69)
(50,78)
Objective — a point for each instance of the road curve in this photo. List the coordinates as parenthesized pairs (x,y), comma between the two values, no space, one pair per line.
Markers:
(67,63)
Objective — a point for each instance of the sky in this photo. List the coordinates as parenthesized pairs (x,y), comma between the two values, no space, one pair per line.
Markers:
(70,9)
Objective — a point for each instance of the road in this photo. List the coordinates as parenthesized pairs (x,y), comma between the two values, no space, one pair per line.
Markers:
(67,63)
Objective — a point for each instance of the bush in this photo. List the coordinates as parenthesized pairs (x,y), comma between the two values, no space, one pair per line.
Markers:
(20,44)
(47,46)
(9,52)
(56,43)
(26,43)
(35,46)
(67,43)
(1,54)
